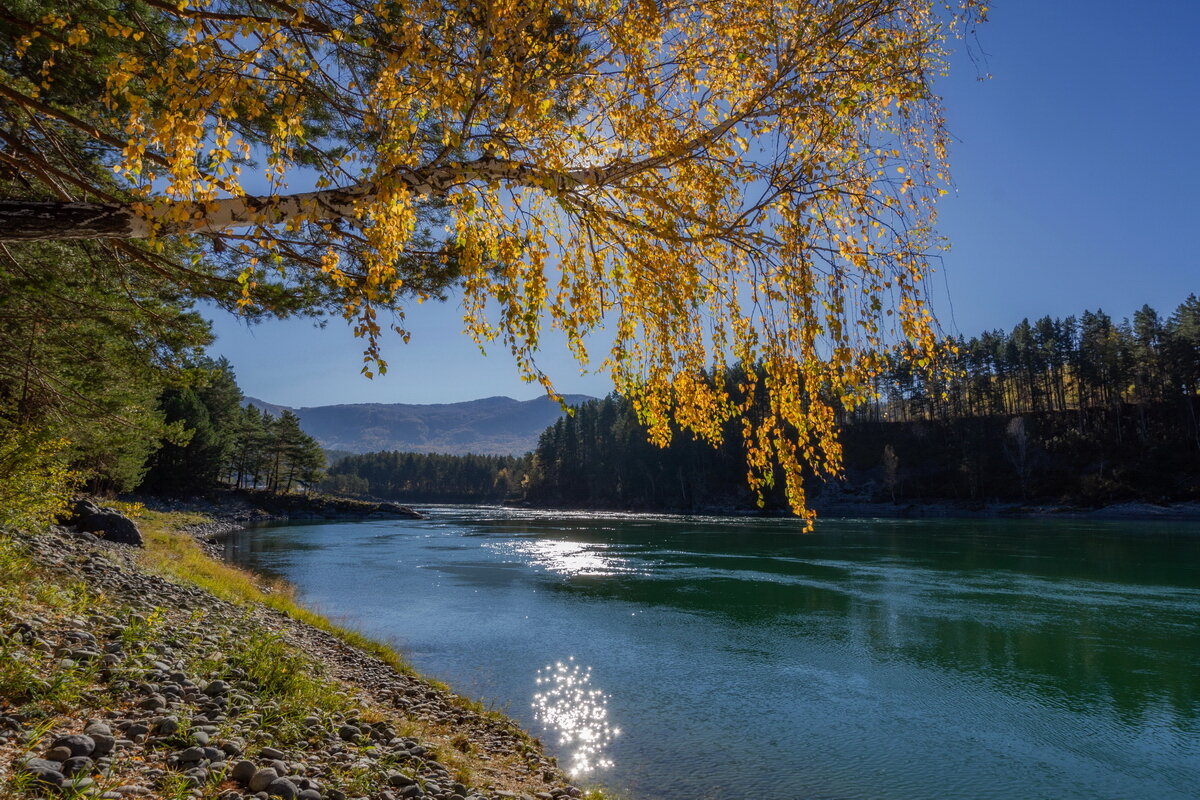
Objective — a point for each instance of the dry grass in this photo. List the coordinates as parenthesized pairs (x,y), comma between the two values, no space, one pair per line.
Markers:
(178,556)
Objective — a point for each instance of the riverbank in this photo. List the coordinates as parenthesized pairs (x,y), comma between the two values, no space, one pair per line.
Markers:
(844,509)
(856,508)
(161,672)
(241,508)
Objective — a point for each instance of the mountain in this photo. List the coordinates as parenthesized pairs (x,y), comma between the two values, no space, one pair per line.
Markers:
(491,426)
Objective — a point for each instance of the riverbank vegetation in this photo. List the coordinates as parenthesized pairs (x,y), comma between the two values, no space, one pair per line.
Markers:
(166,673)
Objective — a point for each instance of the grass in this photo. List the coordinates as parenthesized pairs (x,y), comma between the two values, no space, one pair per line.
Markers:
(37,680)
(289,686)
(179,556)
(170,553)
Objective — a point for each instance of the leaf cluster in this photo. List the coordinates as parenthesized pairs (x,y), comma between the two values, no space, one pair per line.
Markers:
(715,184)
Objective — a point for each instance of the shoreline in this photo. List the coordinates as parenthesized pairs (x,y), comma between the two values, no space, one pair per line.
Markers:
(233,511)
(375,729)
(948,509)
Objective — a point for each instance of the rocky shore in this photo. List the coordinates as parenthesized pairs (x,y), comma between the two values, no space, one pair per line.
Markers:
(237,509)
(119,681)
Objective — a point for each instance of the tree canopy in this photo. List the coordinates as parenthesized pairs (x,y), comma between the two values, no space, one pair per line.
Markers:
(716,182)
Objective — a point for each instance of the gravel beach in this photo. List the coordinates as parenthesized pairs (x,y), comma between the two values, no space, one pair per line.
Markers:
(124,683)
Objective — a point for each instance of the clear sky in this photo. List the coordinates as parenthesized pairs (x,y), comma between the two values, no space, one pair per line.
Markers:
(1077,168)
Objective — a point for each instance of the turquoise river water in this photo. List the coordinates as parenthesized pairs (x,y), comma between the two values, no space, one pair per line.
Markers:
(671,658)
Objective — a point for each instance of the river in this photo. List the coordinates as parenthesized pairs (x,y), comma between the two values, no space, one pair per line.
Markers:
(671,658)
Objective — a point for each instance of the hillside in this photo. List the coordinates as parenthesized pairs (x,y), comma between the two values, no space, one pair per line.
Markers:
(489,426)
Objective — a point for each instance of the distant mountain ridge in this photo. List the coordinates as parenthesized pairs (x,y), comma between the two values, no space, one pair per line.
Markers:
(489,426)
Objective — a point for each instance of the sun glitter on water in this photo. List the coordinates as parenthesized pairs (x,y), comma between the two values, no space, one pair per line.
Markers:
(577,712)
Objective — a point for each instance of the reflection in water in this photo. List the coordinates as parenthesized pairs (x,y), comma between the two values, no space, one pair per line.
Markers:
(987,659)
(577,712)
(568,557)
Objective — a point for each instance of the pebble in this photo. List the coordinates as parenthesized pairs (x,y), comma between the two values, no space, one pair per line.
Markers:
(45,771)
(282,787)
(220,716)
(153,702)
(77,765)
(242,772)
(59,753)
(165,726)
(191,754)
(78,784)
(261,779)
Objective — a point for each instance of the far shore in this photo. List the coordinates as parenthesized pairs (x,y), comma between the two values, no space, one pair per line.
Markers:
(232,512)
(1133,510)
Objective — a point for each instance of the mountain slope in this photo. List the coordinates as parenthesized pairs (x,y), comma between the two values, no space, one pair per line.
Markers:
(492,425)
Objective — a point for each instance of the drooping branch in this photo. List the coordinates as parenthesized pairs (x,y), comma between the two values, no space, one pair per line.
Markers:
(27,220)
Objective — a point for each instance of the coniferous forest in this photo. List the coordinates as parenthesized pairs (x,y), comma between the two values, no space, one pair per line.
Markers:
(1083,410)
(427,477)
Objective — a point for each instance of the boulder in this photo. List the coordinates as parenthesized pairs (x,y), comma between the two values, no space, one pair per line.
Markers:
(112,524)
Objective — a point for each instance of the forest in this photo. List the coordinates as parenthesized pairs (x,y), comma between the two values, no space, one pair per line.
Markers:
(427,477)
(1082,410)
(230,444)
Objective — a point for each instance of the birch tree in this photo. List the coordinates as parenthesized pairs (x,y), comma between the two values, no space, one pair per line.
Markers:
(714,182)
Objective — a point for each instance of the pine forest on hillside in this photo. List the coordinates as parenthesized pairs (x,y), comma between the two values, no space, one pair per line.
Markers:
(1084,410)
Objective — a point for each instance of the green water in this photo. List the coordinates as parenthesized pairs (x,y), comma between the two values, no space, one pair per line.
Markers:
(724,658)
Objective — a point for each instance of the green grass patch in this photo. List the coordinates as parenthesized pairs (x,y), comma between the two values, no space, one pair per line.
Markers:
(31,677)
(177,555)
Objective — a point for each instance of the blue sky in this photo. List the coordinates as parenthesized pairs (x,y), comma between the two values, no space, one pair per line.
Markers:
(1077,166)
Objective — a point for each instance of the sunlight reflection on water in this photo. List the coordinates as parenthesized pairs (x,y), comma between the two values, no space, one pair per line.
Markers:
(577,712)
(570,558)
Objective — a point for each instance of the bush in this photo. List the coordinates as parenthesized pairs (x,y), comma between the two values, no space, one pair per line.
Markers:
(35,483)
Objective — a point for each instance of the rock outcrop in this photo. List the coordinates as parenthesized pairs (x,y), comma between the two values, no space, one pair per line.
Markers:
(105,522)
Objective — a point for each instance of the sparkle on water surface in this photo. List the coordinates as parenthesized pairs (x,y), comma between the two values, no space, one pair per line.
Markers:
(566,557)
(982,659)
(577,712)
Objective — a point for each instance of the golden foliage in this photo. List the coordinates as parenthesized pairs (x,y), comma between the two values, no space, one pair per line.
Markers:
(716,183)
(35,483)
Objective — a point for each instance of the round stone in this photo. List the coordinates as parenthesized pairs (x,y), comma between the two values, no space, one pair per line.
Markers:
(261,779)
(59,753)
(242,772)
(78,744)
(78,784)
(44,771)
(282,787)
(153,703)
(104,744)
(166,726)
(77,765)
